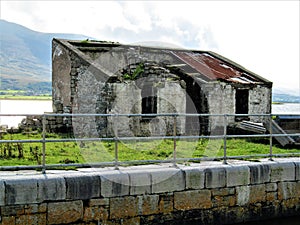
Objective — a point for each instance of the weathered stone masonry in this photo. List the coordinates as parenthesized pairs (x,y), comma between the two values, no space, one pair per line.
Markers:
(101,77)
(200,193)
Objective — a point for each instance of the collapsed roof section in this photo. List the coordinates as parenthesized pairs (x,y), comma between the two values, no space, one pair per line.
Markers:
(212,68)
(206,66)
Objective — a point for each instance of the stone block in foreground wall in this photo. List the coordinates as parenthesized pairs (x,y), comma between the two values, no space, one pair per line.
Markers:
(65,212)
(195,199)
(51,188)
(140,182)
(223,197)
(21,190)
(271,187)
(215,177)
(243,195)
(287,190)
(82,186)
(257,193)
(32,219)
(114,183)
(251,194)
(2,192)
(123,207)
(167,180)
(96,210)
(148,204)
(237,176)
(259,173)
(297,170)
(194,178)
(282,171)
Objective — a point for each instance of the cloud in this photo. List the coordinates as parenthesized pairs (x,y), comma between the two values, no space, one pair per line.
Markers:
(184,34)
(137,13)
(263,36)
(152,26)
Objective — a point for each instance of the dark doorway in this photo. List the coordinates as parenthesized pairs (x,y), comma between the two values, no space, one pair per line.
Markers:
(241,103)
(196,103)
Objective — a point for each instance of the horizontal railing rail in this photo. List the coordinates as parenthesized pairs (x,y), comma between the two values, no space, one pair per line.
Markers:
(116,138)
(139,114)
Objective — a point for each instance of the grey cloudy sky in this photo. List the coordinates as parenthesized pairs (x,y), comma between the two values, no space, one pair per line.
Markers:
(263,36)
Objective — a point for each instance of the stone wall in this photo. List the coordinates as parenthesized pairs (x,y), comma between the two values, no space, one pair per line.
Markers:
(221,100)
(260,100)
(80,88)
(104,80)
(205,193)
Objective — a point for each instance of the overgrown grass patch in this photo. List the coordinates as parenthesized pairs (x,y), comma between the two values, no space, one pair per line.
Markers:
(13,154)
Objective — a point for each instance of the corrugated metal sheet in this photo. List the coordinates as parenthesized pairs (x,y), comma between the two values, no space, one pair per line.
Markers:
(214,68)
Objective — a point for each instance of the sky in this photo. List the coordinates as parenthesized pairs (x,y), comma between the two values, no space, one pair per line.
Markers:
(262,36)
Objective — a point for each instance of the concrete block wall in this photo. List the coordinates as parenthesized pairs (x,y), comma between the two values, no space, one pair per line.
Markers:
(205,193)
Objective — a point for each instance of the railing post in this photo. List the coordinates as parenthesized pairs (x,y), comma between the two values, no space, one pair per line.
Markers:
(174,141)
(271,138)
(116,140)
(116,154)
(44,145)
(225,140)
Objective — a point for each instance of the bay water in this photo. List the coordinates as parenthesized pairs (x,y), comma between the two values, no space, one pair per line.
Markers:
(42,106)
(22,107)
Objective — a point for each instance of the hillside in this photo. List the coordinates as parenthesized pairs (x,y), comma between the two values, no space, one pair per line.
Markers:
(25,61)
(25,57)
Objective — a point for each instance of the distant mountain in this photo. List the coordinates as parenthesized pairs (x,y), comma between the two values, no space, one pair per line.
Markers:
(281,97)
(25,56)
(25,60)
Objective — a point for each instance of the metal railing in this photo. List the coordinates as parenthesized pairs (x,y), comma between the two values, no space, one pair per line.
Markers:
(213,121)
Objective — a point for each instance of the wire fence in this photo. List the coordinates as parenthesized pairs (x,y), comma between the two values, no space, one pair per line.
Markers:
(116,129)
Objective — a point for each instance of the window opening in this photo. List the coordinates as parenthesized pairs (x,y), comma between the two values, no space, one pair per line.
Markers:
(149,100)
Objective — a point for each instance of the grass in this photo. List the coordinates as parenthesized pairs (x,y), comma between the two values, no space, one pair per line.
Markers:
(24,97)
(12,91)
(14,154)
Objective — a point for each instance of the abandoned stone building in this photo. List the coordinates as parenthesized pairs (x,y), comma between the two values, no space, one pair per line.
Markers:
(98,77)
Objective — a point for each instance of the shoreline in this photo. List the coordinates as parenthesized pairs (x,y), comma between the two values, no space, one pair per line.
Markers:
(27,98)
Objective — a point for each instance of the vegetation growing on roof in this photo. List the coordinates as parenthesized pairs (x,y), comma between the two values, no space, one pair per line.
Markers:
(85,41)
(97,41)
(138,71)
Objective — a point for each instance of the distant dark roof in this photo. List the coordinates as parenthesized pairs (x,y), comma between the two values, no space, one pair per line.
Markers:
(288,117)
(205,65)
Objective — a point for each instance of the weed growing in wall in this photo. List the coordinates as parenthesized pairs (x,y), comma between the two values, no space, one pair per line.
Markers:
(138,71)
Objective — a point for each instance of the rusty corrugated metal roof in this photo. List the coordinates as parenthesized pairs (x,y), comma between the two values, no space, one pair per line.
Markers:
(213,68)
